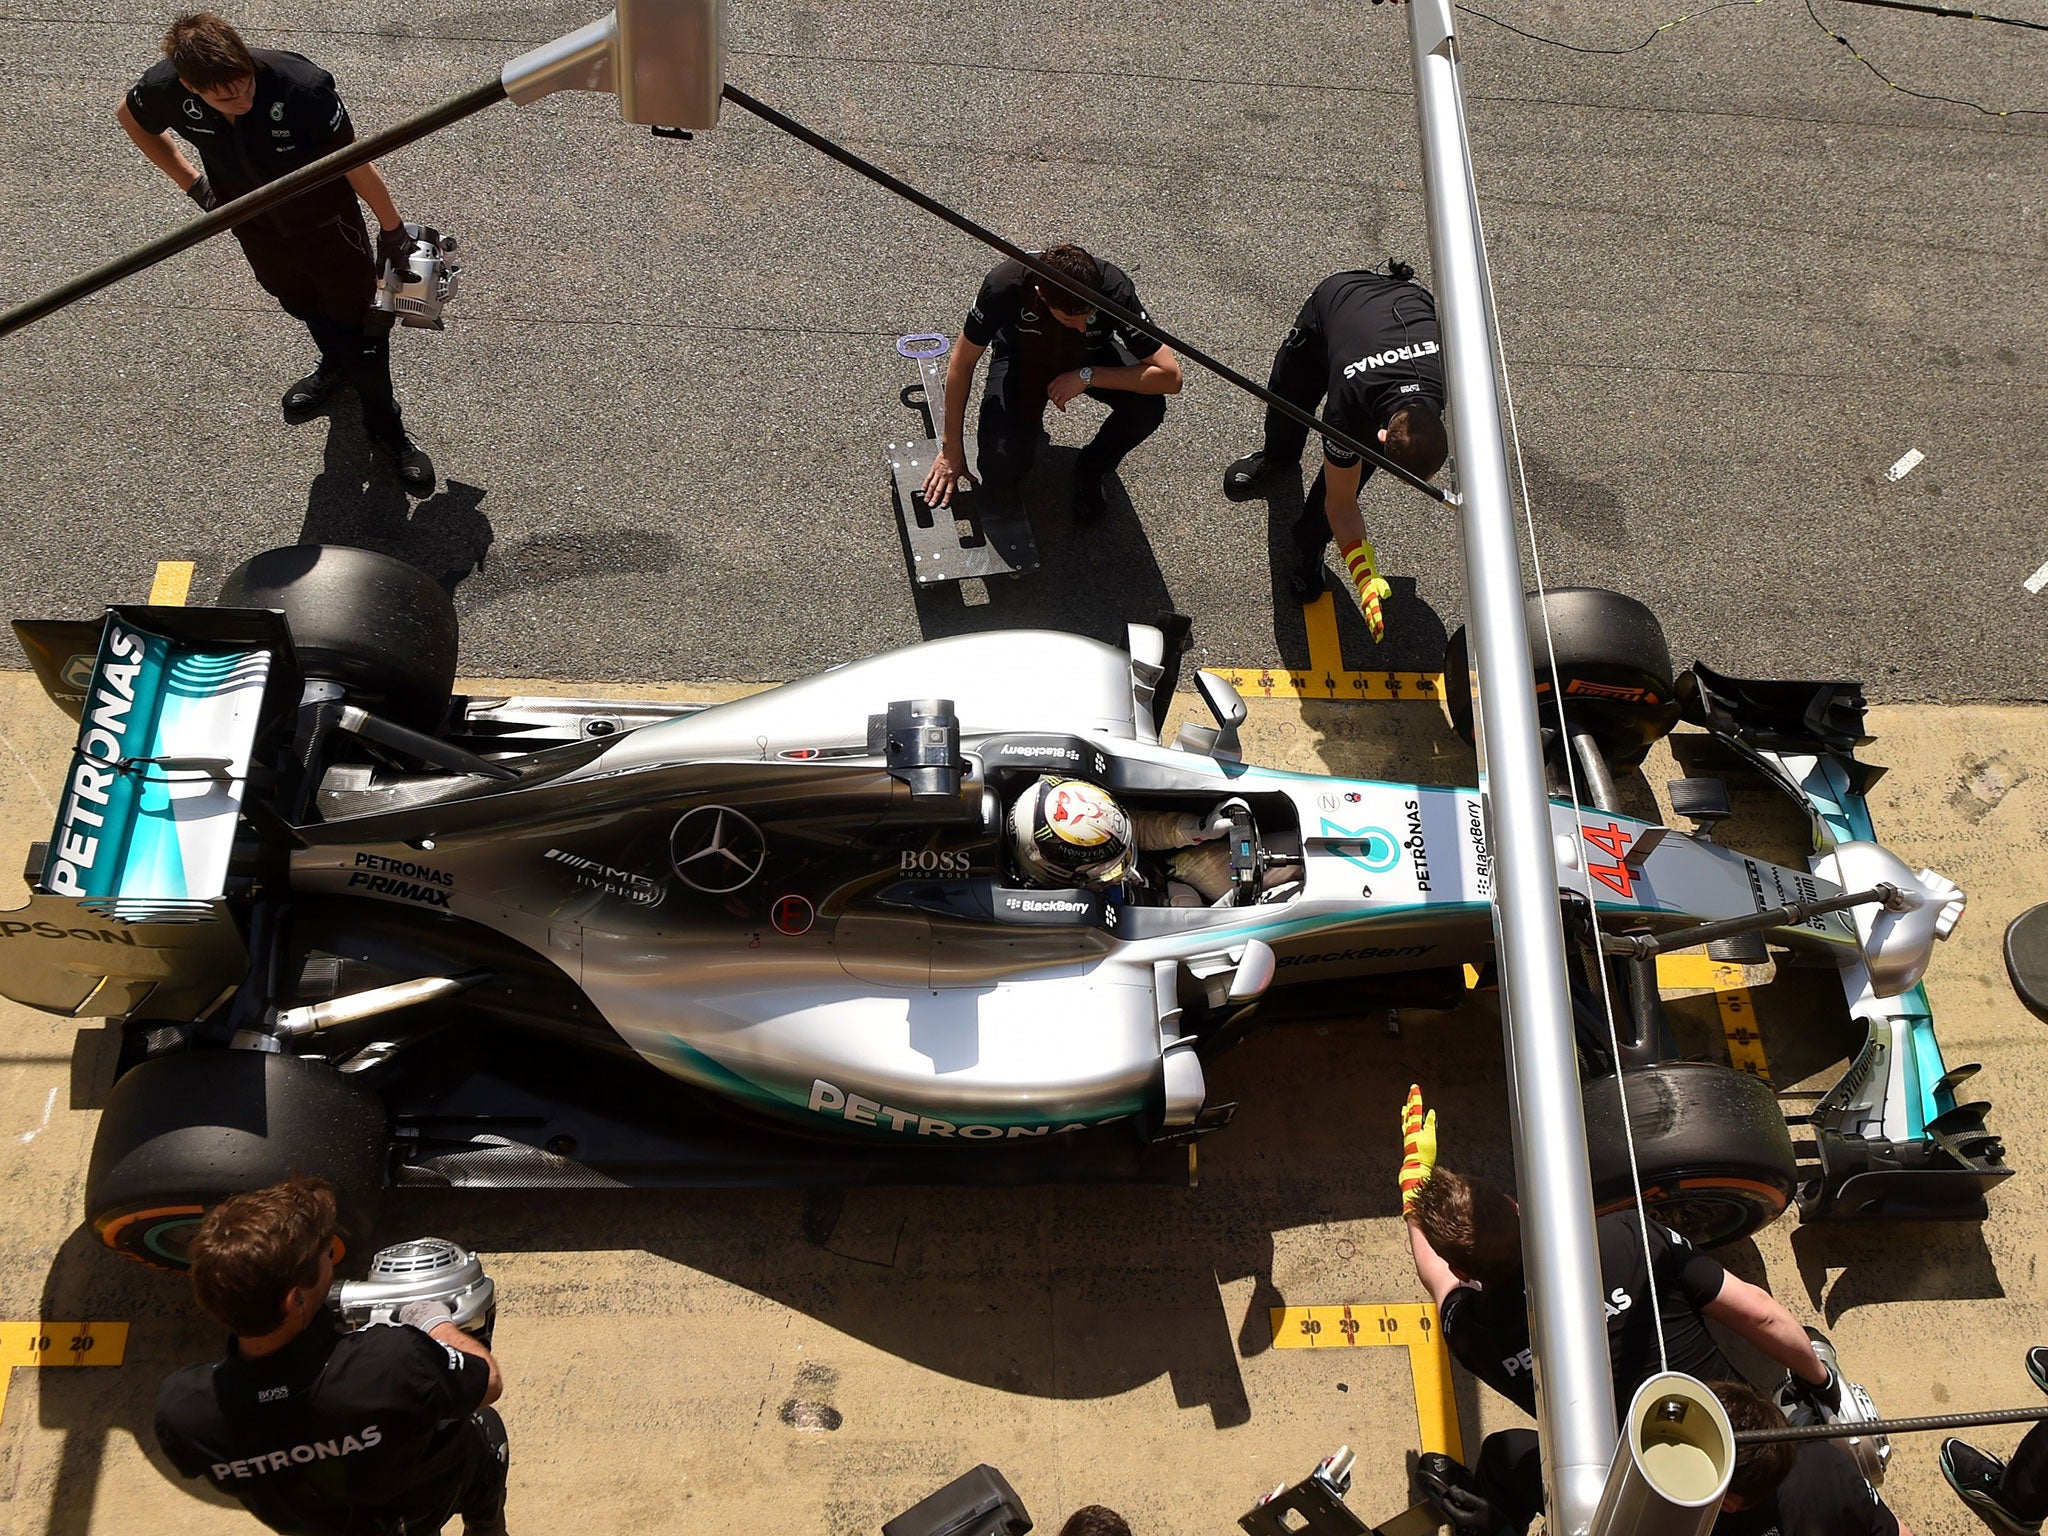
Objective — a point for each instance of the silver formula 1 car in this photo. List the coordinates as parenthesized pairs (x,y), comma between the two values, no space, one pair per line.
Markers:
(351,923)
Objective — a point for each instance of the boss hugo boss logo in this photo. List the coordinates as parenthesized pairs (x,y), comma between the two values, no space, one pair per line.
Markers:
(936,861)
(1394,355)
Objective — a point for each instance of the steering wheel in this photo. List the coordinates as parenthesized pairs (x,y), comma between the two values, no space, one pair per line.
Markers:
(1248,857)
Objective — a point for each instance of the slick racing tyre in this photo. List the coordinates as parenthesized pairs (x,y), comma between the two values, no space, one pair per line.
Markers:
(1613,670)
(182,1133)
(1711,1145)
(383,629)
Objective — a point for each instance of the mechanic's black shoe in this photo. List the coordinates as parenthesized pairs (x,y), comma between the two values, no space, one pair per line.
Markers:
(1451,1489)
(1305,582)
(2037,1365)
(1435,1473)
(1975,1475)
(1090,505)
(309,394)
(1242,480)
(415,469)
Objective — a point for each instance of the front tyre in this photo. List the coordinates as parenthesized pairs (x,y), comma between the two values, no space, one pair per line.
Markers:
(1711,1145)
(182,1133)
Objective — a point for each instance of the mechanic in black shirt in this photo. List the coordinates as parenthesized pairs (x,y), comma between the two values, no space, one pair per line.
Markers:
(254,115)
(381,1432)
(1369,342)
(1465,1237)
(1784,1488)
(1050,346)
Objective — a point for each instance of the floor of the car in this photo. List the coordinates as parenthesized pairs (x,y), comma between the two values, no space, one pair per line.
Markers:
(509,1111)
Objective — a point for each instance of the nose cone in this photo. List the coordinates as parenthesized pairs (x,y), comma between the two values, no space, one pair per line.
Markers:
(1897,946)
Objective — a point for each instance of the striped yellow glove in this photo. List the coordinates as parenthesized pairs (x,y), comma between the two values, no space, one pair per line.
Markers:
(1418,1146)
(1363,564)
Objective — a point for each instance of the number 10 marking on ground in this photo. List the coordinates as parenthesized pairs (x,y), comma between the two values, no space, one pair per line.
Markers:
(1411,1326)
(58,1344)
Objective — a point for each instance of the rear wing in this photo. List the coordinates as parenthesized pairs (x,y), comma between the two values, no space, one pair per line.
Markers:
(168,719)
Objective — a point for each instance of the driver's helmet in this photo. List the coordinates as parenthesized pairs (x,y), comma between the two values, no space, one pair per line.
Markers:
(1070,832)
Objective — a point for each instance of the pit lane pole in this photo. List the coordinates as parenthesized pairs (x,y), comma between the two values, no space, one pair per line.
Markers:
(1568,1328)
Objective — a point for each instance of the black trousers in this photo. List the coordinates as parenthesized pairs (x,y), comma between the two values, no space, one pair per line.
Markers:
(2024,1488)
(1300,376)
(326,279)
(481,1502)
(1510,1475)
(1012,420)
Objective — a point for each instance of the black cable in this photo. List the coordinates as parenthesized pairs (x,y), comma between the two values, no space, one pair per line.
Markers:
(1632,48)
(1954,101)
(1115,311)
(1949,10)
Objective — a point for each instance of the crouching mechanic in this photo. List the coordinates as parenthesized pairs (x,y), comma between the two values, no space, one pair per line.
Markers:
(254,114)
(387,1430)
(1465,1237)
(1785,1488)
(1050,346)
(1369,342)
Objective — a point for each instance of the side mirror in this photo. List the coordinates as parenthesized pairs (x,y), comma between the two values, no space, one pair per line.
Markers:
(1255,970)
(1227,706)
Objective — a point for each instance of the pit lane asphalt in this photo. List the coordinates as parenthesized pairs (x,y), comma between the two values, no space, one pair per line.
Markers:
(1739,276)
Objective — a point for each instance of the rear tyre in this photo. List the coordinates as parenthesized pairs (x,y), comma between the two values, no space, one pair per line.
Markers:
(1711,1145)
(1613,665)
(182,1133)
(383,629)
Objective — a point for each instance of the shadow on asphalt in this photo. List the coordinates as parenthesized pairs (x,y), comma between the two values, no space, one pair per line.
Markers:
(1091,579)
(356,499)
(87,1282)
(1857,1264)
(1415,634)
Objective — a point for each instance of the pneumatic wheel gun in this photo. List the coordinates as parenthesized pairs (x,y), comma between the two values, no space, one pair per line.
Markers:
(1872,1453)
(425,1269)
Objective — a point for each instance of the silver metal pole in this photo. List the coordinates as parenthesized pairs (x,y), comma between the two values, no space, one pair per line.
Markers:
(1568,1326)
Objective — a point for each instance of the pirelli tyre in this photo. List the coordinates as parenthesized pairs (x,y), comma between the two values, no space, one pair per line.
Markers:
(1711,1145)
(181,1133)
(383,629)
(1613,669)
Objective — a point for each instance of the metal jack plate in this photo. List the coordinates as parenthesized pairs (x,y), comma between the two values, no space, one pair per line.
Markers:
(974,536)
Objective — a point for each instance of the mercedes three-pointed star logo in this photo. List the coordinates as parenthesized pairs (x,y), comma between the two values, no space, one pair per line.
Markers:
(716,850)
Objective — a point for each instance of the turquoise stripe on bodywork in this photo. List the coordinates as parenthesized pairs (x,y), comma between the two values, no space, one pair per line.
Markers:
(709,1072)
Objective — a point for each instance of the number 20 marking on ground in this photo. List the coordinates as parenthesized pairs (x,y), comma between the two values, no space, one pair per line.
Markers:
(47,1344)
(1408,1325)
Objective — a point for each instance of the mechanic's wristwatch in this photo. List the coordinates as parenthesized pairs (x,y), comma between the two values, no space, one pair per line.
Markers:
(1087,376)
